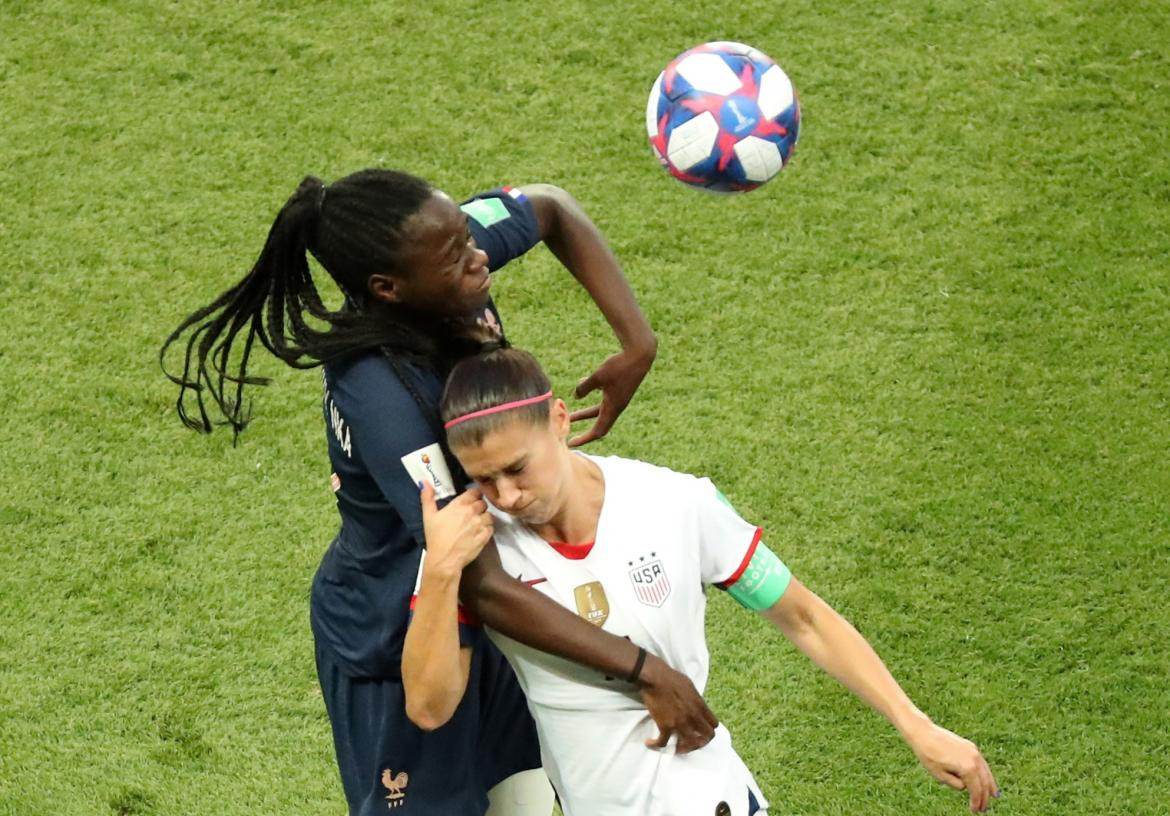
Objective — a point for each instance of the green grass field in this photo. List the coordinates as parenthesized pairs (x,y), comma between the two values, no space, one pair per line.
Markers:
(932,359)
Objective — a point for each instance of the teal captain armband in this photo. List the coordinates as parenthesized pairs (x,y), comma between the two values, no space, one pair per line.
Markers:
(761,583)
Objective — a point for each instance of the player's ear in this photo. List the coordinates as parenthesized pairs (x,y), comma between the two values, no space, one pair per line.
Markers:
(385,288)
(558,418)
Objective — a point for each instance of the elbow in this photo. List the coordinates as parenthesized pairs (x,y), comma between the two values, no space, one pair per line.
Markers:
(549,196)
(427,721)
(429,705)
(551,204)
(428,714)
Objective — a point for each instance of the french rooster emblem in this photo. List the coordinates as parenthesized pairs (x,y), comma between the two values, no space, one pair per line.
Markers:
(395,784)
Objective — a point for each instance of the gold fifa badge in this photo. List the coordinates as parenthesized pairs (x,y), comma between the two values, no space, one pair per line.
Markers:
(592,604)
(396,785)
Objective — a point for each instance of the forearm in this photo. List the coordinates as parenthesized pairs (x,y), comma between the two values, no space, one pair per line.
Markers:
(578,244)
(832,643)
(525,615)
(434,671)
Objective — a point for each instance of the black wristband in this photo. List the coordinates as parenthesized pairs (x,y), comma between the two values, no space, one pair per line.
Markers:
(641,661)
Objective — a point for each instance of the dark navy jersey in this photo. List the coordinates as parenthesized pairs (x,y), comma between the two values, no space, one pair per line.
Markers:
(381,443)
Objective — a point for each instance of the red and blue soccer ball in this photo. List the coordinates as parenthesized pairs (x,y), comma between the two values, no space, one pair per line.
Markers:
(723,117)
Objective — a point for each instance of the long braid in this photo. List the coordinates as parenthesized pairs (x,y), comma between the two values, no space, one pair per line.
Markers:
(354,229)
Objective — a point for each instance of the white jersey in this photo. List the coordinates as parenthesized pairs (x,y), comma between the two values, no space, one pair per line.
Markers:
(661,539)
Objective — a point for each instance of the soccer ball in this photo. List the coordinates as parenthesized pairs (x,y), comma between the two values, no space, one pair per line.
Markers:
(723,116)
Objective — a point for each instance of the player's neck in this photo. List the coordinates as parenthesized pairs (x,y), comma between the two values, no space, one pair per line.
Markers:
(576,520)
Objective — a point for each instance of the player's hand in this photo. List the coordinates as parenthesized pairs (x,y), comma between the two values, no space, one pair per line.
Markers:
(617,379)
(956,762)
(456,534)
(675,706)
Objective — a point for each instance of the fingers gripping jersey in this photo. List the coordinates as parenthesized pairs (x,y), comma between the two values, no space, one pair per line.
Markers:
(661,537)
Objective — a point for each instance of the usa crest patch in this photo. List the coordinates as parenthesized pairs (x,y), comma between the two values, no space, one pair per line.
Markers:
(651,586)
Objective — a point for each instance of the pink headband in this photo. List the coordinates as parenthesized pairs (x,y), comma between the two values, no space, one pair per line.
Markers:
(507,406)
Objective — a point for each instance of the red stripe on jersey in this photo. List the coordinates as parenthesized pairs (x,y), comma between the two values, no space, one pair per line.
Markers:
(735,576)
(534,581)
(461,614)
(574,552)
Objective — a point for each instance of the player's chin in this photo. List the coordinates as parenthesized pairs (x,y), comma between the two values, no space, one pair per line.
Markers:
(482,288)
(475,302)
(529,514)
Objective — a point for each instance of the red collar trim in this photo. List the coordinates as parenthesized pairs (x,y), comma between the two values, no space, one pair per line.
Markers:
(574,552)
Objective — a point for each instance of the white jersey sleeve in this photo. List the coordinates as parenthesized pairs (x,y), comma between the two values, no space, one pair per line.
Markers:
(726,541)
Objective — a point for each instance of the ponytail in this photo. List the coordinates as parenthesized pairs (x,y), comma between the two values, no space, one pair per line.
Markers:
(354,229)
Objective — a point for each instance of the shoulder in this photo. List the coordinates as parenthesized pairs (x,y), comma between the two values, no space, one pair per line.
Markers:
(387,413)
(491,207)
(635,478)
(503,223)
(370,377)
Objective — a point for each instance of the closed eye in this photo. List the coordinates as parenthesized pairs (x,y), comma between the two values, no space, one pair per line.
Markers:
(457,251)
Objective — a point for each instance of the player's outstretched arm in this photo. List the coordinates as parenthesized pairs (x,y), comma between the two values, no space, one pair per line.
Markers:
(572,236)
(525,615)
(833,644)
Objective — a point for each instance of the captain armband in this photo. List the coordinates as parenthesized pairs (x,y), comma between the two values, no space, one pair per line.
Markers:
(762,582)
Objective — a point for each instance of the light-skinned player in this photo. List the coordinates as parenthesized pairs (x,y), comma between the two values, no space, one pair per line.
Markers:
(629,547)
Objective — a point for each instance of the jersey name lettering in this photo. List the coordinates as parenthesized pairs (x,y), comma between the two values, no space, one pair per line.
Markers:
(338,424)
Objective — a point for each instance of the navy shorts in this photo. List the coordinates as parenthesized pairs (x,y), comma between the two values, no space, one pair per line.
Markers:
(387,762)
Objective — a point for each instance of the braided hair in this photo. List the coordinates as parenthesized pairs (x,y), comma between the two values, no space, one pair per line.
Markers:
(354,229)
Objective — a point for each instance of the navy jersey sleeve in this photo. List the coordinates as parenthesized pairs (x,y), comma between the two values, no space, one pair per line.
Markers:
(503,224)
(385,428)
(389,437)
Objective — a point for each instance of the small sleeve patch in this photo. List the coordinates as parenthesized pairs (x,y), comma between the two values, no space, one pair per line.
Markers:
(429,465)
(486,211)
